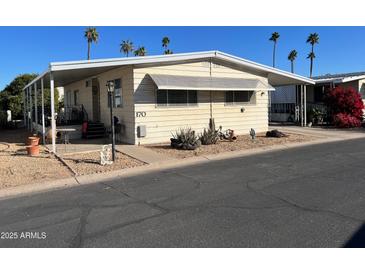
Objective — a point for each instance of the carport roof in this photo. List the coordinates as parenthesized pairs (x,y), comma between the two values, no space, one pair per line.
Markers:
(67,72)
(340,77)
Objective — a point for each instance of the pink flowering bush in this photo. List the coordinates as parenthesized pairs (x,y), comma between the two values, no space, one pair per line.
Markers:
(344,120)
(346,106)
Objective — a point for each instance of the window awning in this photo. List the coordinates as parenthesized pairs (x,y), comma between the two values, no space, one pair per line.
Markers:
(175,82)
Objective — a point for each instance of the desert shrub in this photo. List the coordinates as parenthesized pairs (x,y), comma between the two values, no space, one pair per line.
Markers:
(185,138)
(275,133)
(344,120)
(315,115)
(346,106)
(209,136)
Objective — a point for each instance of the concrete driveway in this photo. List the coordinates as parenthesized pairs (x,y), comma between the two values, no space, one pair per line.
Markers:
(312,196)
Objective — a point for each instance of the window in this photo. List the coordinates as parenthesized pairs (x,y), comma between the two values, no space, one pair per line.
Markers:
(118,98)
(176,97)
(237,97)
(76,97)
(68,98)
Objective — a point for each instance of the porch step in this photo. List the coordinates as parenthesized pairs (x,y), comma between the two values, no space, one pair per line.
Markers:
(95,130)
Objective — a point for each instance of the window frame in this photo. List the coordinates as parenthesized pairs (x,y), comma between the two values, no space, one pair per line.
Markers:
(176,105)
(252,98)
(76,97)
(68,98)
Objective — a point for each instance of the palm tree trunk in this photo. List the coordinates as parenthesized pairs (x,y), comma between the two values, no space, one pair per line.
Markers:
(273,55)
(292,66)
(311,68)
(88,50)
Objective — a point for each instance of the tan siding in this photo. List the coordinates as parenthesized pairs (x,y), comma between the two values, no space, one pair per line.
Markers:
(162,121)
(125,114)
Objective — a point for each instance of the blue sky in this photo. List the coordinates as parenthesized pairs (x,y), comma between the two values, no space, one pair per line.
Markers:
(30,49)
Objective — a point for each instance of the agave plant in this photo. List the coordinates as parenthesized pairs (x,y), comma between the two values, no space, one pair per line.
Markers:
(185,138)
(209,136)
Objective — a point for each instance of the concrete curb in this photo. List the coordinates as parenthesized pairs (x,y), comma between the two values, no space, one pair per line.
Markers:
(160,166)
(40,187)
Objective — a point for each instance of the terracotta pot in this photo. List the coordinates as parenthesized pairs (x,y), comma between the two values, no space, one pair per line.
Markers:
(33,141)
(33,150)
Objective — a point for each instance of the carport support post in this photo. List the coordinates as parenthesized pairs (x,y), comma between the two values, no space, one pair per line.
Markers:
(301,106)
(43,122)
(23,95)
(305,105)
(24,109)
(31,108)
(53,121)
(36,107)
(27,95)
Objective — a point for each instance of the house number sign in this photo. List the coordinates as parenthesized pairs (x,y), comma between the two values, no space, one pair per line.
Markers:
(140,114)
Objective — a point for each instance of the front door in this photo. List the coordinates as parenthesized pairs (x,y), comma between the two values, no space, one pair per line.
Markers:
(96,100)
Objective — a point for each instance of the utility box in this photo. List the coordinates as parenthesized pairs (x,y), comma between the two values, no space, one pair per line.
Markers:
(141,131)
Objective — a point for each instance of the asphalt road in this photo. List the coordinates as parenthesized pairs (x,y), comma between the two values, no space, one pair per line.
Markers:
(305,197)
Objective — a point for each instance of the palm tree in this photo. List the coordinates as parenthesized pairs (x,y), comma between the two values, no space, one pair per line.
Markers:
(141,51)
(126,47)
(291,57)
(165,42)
(312,39)
(91,35)
(311,56)
(274,37)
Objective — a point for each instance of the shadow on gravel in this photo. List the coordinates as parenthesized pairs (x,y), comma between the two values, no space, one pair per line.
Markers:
(358,239)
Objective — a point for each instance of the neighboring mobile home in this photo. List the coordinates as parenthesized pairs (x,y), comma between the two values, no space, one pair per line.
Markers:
(286,99)
(161,94)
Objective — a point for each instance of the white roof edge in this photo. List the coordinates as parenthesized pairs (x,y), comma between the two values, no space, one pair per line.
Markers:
(340,79)
(137,58)
(268,69)
(59,66)
(37,78)
(354,78)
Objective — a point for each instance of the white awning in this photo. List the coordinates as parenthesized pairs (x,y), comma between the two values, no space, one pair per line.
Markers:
(176,82)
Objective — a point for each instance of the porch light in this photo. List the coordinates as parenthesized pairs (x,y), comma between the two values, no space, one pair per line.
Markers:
(110,88)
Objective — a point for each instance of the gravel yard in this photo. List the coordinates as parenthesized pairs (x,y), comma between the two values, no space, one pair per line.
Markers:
(87,163)
(16,168)
(243,142)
